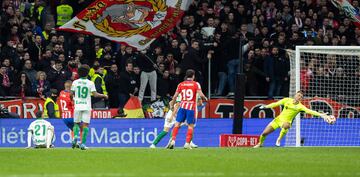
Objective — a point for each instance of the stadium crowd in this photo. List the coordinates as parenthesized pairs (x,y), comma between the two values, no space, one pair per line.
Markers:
(36,58)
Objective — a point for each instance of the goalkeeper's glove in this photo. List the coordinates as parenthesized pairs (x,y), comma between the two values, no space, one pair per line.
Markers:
(262,107)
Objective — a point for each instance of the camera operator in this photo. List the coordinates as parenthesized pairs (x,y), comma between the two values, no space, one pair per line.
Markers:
(4,113)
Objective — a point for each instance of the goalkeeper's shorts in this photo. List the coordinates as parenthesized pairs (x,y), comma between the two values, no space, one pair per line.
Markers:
(277,123)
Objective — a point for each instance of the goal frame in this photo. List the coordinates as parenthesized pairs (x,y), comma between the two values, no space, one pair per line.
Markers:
(298,51)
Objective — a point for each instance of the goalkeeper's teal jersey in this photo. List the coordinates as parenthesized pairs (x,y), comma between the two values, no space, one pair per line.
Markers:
(290,109)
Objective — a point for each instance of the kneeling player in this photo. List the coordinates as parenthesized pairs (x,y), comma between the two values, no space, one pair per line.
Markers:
(292,106)
(41,133)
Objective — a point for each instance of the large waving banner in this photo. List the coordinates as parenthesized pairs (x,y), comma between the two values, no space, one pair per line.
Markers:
(350,11)
(134,22)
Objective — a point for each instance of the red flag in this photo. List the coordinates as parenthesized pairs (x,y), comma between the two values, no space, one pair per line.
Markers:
(134,22)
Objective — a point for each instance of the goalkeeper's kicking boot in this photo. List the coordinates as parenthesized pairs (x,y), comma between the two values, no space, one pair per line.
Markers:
(83,147)
(171,144)
(278,143)
(187,146)
(258,146)
(152,146)
(192,145)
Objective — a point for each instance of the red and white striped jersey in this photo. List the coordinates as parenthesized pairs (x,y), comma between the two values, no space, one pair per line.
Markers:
(66,104)
(188,91)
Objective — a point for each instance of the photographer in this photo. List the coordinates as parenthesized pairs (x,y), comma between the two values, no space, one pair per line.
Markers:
(4,113)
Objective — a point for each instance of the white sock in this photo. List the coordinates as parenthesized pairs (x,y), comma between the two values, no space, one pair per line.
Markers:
(49,138)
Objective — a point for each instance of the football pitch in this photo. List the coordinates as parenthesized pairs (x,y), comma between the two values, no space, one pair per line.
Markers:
(202,162)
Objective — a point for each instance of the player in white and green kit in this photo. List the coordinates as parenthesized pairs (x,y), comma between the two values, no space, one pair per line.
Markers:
(170,120)
(81,91)
(40,133)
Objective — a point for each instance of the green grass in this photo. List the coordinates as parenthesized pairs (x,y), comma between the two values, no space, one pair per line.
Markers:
(133,162)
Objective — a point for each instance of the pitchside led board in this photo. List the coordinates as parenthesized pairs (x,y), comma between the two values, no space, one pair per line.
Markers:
(116,132)
(142,132)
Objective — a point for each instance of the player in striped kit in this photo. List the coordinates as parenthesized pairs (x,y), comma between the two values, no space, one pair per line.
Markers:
(67,108)
(188,90)
(170,120)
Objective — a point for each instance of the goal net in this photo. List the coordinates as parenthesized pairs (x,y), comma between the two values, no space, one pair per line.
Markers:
(329,76)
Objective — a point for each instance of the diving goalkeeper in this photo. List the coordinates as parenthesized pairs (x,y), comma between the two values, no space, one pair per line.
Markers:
(292,106)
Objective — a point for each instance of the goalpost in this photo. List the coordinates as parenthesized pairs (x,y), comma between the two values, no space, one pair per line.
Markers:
(329,76)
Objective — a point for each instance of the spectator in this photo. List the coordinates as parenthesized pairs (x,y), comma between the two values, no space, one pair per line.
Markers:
(171,63)
(193,60)
(112,81)
(10,70)
(174,50)
(175,79)
(107,60)
(46,33)
(57,75)
(161,69)
(276,69)
(148,74)
(125,53)
(29,71)
(5,81)
(73,69)
(98,79)
(26,35)
(85,50)
(160,59)
(40,13)
(44,62)
(42,86)
(163,85)
(137,74)
(22,86)
(127,83)
(184,38)
(35,49)
(53,41)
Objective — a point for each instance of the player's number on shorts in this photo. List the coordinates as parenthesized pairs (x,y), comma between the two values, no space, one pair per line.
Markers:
(38,131)
(187,94)
(82,91)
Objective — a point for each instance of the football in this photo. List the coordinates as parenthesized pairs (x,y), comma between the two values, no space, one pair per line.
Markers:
(331,119)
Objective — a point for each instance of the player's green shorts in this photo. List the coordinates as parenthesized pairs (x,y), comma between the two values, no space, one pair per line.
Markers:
(277,123)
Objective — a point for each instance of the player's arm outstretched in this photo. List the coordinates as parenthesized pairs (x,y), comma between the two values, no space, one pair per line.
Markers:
(99,95)
(325,116)
(275,104)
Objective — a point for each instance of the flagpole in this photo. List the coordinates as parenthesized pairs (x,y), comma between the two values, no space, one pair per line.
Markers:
(154,64)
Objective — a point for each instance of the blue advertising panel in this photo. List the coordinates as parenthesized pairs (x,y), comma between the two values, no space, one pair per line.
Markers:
(345,132)
(117,132)
(142,132)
